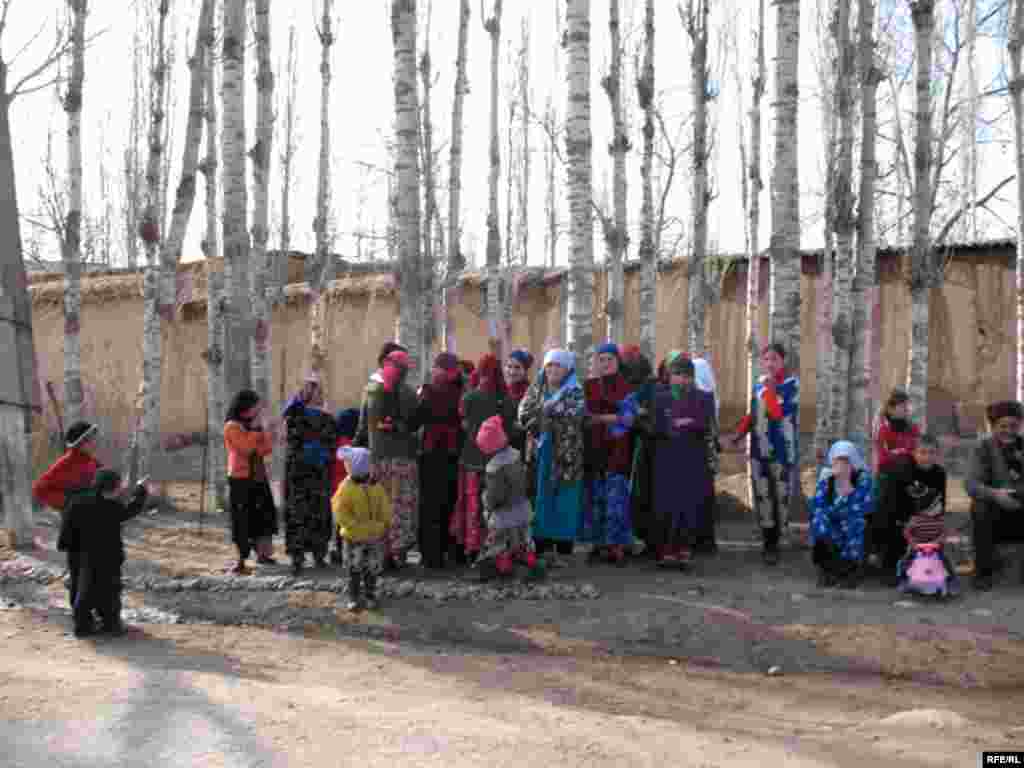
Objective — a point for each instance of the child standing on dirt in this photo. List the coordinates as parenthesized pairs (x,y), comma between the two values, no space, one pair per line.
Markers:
(74,472)
(92,531)
(346,423)
(362,513)
(507,511)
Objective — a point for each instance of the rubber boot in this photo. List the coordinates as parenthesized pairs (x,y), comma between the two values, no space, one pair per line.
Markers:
(353,603)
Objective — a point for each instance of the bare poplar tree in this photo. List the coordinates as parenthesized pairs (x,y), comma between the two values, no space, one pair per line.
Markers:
(922,276)
(288,153)
(785,242)
(148,435)
(865,359)
(132,173)
(455,259)
(260,154)
(696,21)
(617,235)
(648,249)
(72,240)
(235,228)
(579,147)
(525,116)
(429,188)
(844,224)
(407,179)
(216,386)
(754,211)
(323,263)
(1015,46)
(492,26)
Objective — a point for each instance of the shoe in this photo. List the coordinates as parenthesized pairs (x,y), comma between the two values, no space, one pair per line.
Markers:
(336,557)
(618,555)
(487,570)
(370,591)
(771,557)
(116,630)
(825,580)
(531,560)
(296,567)
(353,606)
(318,562)
(240,569)
(983,583)
(264,560)
(503,563)
(86,631)
(683,556)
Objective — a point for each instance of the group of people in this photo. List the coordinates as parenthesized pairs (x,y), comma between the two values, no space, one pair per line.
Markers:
(894,513)
(505,468)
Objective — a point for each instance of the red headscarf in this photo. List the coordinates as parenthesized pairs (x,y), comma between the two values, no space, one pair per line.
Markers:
(490,378)
(395,365)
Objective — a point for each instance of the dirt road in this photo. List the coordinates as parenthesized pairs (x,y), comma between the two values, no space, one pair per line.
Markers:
(222,696)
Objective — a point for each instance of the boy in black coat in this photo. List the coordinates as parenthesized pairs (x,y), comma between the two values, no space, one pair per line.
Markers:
(92,529)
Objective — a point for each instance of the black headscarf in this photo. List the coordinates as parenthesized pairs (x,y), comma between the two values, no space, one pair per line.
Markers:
(243,401)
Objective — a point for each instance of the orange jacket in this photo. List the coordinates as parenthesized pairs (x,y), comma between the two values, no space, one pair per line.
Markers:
(241,445)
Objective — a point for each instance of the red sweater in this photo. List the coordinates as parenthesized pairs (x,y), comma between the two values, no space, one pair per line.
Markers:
(74,470)
(889,444)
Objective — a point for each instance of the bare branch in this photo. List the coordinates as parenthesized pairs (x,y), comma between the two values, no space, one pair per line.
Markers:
(982,202)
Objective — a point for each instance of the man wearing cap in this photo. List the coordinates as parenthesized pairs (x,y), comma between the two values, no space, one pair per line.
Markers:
(995,482)
(74,472)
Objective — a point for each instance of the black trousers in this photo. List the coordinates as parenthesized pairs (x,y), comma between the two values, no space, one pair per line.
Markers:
(73,566)
(993,526)
(439,487)
(826,557)
(99,589)
(546,545)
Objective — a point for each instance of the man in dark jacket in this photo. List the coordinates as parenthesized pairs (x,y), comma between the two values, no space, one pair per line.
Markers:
(92,529)
(995,481)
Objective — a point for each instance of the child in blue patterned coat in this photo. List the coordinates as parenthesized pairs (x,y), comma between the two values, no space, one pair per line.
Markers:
(845,496)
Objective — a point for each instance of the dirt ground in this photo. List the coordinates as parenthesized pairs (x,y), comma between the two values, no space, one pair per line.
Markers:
(730,663)
(218,696)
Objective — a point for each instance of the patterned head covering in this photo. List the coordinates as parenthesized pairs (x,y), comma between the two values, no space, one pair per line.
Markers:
(492,438)
(844,449)
(523,357)
(608,348)
(563,357)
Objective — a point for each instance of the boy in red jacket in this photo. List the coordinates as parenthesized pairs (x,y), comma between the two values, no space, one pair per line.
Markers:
(73,472)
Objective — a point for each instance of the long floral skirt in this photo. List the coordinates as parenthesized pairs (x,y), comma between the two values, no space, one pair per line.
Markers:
(606,518)
(466,525)
(307,514)
(400,478)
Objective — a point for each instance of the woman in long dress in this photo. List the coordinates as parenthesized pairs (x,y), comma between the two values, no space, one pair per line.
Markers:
(553,410)
(683,462)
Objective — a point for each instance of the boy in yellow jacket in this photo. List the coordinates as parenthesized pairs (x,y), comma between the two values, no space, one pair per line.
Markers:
(362,512)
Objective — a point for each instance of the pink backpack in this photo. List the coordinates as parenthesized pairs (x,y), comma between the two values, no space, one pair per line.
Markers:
(927,574)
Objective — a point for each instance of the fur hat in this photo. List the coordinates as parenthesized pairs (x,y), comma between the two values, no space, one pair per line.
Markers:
(1003,410)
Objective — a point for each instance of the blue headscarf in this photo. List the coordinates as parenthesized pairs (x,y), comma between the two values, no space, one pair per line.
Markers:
(347,422)
(843,449)
(608,348)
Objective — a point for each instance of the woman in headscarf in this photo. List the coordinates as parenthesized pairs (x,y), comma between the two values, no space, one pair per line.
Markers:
(487,399)
(844,498)
(439,458)
(608,461)
(774,421)
(684,462)
(635,417)
(311,436)
(553,411)
(517,381)
(253,516)
(392,412)
(704,378)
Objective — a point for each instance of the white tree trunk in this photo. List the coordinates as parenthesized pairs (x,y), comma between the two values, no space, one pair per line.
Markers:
(455,260)
(617,235)
(18,376)
(407,178)
(1015,46)
(148,438)
(697,26)
(866,310)
(261,154)
(784,309)
(429,192)
(579,146)
(495,316)
(323,263)
(216,386)
(844,223)
(551,190)
(970,125)
(525,116)
(647,252)
(922,264)
(238,320)
(72,243)
(754,214)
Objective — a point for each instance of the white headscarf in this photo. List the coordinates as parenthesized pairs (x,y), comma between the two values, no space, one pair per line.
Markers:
(704,378)
(843,449)
(563,357)
(358,459)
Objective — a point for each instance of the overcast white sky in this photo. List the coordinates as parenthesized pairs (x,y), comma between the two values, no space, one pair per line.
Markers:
(363,105)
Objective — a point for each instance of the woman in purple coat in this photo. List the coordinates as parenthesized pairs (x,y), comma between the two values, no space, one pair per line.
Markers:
(684,462)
